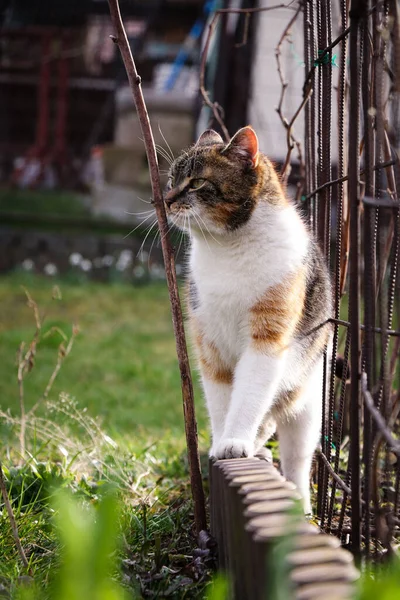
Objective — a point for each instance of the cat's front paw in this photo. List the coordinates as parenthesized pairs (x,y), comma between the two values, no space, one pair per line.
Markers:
(212,453)
(233,448)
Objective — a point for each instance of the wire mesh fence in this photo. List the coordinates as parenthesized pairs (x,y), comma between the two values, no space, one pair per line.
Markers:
(350,197)
(348,176)
(356,216)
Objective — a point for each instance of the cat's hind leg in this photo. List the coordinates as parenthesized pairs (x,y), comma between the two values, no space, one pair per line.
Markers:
(299,435)
(265,431)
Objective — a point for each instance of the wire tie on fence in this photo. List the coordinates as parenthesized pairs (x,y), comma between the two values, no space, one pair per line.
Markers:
(323,59)
(326,438)
(297,57)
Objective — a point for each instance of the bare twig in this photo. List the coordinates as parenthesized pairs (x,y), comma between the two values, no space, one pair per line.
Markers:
(63,352)
(186,379)
(289,133)
(387,163)
(214,106)
(25,364)
(318,61)
(332,472)
(13,523)
(290,138)
(380,422)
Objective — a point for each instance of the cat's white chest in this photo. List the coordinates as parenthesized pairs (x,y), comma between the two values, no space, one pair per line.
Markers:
(227,286)
(222,315)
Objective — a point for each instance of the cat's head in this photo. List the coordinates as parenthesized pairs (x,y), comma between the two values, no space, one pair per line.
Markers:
(216,185)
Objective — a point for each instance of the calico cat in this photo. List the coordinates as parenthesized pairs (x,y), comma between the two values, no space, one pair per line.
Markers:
(259,293)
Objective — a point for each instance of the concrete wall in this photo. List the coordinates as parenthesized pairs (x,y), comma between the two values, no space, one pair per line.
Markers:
(266,88)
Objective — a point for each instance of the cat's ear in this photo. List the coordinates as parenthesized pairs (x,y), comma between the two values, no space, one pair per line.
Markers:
(209,136)
(244,145)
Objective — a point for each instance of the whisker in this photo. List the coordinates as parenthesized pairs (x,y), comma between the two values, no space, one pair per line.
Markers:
(139,225)
(144,212)
(205,225)
(199,224)
(147,235)
(145,201)
(168,146)
(162,152)
(158,235)
(182,234)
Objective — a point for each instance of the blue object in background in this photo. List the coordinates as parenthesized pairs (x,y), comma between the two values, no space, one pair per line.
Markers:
(188,45)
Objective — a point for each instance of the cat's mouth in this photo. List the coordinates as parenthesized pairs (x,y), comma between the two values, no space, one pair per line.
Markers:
(180,215)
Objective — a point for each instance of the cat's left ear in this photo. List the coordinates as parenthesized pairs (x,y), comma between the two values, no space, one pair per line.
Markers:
(244,145)
(209,137)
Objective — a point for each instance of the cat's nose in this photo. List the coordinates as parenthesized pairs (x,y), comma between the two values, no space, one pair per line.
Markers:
(170,197)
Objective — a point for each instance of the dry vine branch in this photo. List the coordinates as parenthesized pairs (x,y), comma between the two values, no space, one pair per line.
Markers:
(186,379)
(25,364)
(63,352)
(13,523)
(214,106)
(290,138)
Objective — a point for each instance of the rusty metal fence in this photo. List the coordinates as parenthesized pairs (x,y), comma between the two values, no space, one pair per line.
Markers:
(350,195)
(354,210)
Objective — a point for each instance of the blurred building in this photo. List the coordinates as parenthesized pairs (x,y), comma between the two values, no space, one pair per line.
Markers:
(64,94)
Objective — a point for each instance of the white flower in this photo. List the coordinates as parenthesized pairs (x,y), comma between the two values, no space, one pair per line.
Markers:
(108,260)
(157,271)
(75,259)
(138,271)
(86,265)
(50,269)
(28,264)
(126,256)
(124,260)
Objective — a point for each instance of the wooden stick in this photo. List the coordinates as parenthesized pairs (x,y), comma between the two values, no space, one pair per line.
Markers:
(177,319)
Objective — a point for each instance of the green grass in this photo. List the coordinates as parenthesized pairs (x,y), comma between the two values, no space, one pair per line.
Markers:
(42,202)
(114,415)
(123,366)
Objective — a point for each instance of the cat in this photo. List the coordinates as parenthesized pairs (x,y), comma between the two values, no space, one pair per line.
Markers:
(259,296)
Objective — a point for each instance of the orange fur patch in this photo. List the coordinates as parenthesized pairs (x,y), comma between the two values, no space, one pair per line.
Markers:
(274,318)
(210,361)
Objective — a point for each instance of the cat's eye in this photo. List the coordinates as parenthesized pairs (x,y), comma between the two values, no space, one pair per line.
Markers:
(196,184)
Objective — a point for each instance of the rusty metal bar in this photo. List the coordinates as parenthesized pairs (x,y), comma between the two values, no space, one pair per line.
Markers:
(356,14)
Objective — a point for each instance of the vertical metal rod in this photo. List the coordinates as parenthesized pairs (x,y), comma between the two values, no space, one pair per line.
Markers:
(369,278)
(356,13)
(307,109)
(312,104)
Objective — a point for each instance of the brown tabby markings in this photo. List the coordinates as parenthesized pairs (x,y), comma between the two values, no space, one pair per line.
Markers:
(284,403)
(274,318)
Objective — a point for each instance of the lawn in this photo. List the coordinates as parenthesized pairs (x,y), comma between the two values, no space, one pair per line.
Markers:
(113,415)
(123,365)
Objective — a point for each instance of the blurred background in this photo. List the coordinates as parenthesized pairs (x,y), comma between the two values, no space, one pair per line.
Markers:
(73,169)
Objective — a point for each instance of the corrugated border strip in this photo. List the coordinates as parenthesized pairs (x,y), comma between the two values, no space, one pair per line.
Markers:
(253,508)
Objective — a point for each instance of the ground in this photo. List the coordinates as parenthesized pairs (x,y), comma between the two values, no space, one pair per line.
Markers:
(113,414)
